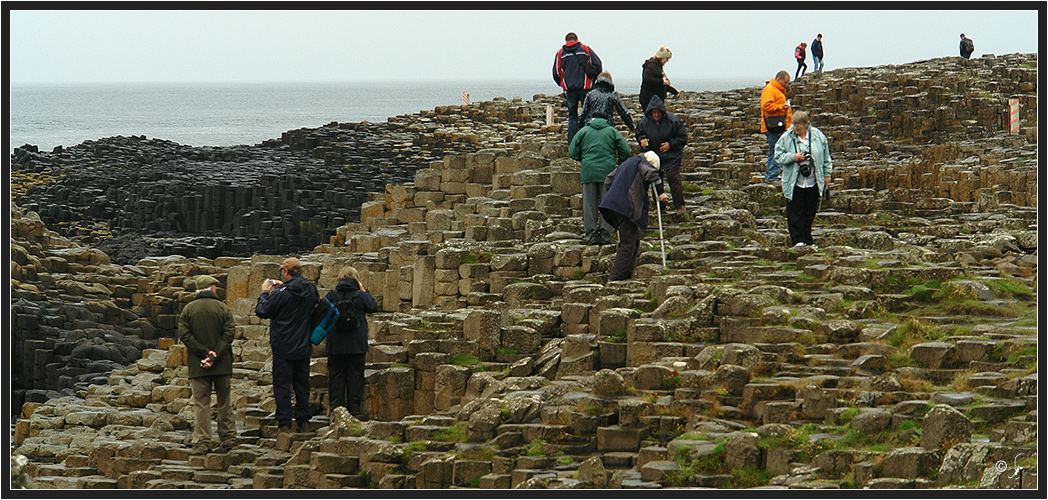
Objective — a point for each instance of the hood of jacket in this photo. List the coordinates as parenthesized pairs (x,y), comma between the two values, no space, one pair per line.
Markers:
(603,83)
(299,288)
(655,103)
(598,123)
(573,46)
(347,285)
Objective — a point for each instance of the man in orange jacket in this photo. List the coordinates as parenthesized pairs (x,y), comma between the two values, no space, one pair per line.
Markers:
(774,104)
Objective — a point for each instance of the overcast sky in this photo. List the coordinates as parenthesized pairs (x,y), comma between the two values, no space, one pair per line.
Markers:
(332,46)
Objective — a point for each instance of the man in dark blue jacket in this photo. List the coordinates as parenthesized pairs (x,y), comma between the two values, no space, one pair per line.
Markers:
(625,206)
(347,347)
(568,72)
(816,52)
(662,132)
(288,304)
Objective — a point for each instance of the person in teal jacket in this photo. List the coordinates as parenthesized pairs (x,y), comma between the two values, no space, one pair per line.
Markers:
(802,191)
(600,148)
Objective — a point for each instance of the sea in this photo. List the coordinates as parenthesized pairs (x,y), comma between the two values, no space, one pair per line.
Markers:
(227,114)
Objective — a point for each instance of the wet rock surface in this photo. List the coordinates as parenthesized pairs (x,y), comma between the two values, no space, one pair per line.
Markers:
(900,353)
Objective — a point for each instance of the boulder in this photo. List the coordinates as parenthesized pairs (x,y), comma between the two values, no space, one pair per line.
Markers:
(943,427)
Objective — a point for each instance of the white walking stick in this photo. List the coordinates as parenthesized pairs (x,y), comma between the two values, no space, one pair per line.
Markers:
(658,210)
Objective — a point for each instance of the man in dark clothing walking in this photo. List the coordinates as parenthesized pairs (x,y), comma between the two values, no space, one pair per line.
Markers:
(347,345)
(967,47)
(816,53)
(207,328)
(569,71)
(288,304)
(653,79)
(662,132)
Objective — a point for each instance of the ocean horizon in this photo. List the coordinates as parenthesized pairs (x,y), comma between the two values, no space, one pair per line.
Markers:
(248,113)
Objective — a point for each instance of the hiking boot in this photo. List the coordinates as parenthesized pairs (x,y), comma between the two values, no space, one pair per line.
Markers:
(284,429)
(302,427)
(228,444)
(680,212)
(202,447)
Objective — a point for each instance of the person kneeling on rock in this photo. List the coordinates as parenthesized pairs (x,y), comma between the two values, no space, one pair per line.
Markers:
(207,328)
(626,205)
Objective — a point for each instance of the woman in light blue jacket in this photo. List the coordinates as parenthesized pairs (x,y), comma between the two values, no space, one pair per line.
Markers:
(802,191)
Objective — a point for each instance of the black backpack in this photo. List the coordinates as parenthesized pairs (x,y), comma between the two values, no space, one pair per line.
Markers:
(586,61)
(969,45)
(348,315)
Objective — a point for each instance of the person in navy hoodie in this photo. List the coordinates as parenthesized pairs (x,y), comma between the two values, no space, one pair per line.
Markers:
(662,132)
(346,349)
(568,72)
(288,305)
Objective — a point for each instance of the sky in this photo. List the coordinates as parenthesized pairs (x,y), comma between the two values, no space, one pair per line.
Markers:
(95,46)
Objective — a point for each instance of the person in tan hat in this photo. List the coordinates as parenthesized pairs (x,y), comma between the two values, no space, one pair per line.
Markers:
(206,327)
(288,304)
(653,77)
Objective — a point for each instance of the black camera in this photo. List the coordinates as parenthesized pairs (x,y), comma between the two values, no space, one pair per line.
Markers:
(805,164)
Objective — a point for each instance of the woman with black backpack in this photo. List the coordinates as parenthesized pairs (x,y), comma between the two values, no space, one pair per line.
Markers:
(347,345)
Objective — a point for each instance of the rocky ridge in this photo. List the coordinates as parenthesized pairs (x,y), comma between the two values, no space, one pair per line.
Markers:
(900,354)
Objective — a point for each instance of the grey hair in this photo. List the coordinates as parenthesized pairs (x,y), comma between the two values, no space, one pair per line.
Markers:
(800,117)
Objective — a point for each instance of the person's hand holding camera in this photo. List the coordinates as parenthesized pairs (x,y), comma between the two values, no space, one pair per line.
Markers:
(804,164)
(269,285)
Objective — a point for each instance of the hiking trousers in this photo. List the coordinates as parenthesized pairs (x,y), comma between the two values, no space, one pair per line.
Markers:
(288,373)
(201,386)
(626,251)
(800,214)
(346,381)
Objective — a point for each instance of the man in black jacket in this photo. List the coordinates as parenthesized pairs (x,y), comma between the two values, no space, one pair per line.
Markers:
(662,132)
(288,304)
(569,72)
(816,53)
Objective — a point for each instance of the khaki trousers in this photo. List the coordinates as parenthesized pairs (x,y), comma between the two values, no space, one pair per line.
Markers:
(227,429)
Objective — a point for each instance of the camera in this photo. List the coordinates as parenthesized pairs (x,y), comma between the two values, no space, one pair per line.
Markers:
(805,165)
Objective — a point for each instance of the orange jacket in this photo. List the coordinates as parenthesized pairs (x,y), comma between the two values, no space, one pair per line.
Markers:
(773,97)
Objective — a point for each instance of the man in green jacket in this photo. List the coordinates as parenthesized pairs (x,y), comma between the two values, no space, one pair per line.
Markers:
(207,328)
(596,146)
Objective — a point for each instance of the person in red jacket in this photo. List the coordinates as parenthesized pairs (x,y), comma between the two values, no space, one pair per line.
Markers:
(570,72)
